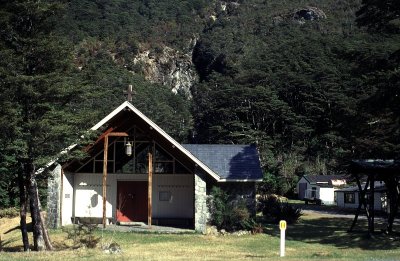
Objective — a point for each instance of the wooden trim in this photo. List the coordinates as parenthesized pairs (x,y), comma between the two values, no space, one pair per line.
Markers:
(118,134)
(102,136)
(105,179)
(150,186)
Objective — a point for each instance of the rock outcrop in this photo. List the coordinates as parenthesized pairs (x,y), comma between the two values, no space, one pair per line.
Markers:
(300,15)
(168,67)
(309,14)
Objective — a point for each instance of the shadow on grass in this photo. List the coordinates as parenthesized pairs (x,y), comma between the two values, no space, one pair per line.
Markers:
(8,245)
(333,231)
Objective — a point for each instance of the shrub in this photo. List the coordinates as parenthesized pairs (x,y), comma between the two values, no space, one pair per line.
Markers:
(9,213)
(253,226)
(275,208)
(83,235)
(236,216)
(287,212)
(217,205)
(226,213)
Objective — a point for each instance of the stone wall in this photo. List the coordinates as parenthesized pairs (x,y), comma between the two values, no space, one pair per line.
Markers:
(200,202)
(53,198)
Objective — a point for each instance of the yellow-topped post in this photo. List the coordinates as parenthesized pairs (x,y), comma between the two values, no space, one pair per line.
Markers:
(282,227)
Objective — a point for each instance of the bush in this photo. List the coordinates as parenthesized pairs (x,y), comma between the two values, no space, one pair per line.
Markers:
(217,205)
(236,216)
(9,213)
(253,226)
(287,212)
(226,213)
(83,235)
(275,208)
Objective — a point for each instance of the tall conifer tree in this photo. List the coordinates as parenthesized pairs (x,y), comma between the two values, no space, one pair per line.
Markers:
(38,100)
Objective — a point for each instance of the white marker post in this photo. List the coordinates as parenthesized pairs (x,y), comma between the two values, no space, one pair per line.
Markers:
(282,227)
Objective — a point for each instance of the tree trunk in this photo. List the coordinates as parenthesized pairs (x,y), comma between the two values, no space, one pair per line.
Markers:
(46,236)
(38,240)
(23,209)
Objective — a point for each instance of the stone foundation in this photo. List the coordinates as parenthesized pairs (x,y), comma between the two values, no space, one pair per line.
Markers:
(200,202)
(53,198)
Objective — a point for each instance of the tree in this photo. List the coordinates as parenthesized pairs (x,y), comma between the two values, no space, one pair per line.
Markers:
(379,136)
(379,14)
(39,100)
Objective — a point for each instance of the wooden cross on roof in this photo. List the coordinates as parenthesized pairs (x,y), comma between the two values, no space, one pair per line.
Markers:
(129,93)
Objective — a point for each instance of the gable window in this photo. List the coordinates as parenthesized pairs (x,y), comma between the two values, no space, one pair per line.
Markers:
(137,162)
(349,198)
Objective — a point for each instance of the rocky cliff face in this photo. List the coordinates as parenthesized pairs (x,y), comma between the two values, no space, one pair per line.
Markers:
(174,68)
(168,67)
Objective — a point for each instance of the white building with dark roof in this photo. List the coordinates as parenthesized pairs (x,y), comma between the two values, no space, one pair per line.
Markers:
(319,188)
(159,181)
(349,197)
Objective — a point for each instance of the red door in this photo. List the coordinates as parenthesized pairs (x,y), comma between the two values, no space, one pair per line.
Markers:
(132,201)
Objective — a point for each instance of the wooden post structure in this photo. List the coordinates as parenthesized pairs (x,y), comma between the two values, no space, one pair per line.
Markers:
(394,199)
(150,183)
(105,159)
(361,201)
(371,221)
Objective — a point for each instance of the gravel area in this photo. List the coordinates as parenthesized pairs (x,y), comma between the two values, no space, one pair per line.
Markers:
(143,228)
(334,211)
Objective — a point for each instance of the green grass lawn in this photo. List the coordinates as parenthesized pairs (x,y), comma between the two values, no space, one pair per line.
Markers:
(314,237)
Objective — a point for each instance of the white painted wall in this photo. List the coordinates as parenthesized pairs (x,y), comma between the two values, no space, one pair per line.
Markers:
(88,195)
(326,195)
(182,196)
(67,199)
(340,200)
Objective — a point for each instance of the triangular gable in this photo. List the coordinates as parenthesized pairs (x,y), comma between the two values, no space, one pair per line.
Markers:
(160,131)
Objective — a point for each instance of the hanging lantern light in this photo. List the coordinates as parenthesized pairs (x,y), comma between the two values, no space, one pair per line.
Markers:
(128,149)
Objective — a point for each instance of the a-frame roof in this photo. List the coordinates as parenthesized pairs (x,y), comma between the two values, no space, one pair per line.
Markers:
(238,163)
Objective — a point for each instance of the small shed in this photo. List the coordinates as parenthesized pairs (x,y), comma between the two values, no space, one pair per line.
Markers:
(387,171)
(349,197)
(320,188)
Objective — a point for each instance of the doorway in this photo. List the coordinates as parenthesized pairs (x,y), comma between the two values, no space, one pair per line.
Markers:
(132,201)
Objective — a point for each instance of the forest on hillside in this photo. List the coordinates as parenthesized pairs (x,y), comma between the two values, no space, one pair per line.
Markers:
(312,83)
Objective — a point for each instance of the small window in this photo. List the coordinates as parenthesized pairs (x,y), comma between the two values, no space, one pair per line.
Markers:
(313,192)
(164,195)
(349,198)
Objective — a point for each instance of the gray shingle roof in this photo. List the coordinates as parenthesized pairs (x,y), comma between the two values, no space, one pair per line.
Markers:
(231,162)
(380,188)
